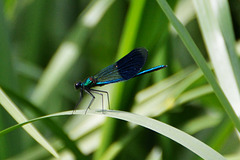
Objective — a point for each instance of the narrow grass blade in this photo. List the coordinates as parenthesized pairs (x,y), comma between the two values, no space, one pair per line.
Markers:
(199,59)
(217,50)
(13,110)
(175,134)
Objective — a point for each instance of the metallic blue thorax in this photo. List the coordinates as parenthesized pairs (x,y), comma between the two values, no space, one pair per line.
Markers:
(89,82)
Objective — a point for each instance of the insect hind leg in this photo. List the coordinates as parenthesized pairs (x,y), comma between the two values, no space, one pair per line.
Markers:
(100,93)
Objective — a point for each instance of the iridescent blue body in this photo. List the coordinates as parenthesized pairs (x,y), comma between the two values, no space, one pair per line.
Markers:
(126,68)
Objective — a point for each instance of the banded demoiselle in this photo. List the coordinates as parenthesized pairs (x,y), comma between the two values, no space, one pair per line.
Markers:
(126,68)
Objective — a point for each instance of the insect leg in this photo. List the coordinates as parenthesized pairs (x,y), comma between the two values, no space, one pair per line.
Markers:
(96,91)
(100,95)
(93,97)
(80,99)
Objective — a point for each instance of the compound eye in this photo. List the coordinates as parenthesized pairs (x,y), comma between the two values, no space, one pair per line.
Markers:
(77,85)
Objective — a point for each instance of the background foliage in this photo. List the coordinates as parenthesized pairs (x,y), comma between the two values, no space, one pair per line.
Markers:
(47,46)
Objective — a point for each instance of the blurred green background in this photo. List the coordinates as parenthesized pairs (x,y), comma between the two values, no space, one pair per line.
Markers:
(47,46)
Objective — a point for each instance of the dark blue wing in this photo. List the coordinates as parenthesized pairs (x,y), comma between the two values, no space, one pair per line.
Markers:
(124,69)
